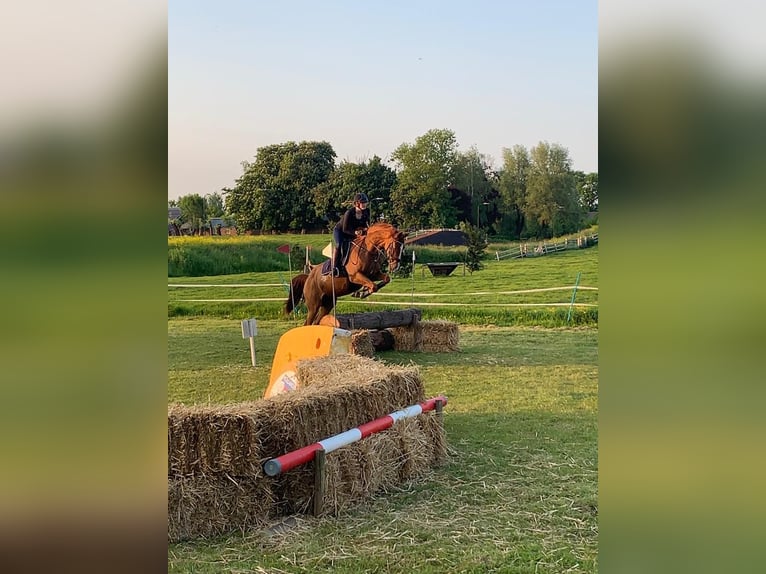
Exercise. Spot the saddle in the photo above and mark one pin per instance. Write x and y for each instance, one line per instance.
(327, 267)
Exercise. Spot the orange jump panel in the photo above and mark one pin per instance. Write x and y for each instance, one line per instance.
(303, 343)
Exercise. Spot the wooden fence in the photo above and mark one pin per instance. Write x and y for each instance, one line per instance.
(542, 248)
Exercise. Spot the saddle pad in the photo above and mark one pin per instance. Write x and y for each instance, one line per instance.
(327, 267)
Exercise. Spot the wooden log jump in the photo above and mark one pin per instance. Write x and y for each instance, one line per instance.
(373, 321)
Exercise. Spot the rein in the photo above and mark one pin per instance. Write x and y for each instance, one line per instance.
(380, 253)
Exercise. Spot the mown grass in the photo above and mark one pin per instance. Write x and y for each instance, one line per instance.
(488, 296)
(519, 491)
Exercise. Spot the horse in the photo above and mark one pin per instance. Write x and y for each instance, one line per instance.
(367, 254)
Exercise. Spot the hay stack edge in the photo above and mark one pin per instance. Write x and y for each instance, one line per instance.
(216, 483)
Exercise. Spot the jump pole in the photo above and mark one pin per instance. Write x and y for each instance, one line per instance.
(280, 464)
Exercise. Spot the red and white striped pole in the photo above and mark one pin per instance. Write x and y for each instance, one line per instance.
(280, 464)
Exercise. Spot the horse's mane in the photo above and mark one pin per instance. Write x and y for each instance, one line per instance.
(381, 227)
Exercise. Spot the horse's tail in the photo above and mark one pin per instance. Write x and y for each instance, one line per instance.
(296, 292)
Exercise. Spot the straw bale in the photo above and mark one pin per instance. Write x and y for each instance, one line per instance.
(384, 458)
(208, 439)
(361, 343)
(402, 386)
(338, 369)
(416, 448)
(216, 482)
(439, 336)
(434, 430)
(202, 506)
(407, 338)
(335, 400)
(359, 470)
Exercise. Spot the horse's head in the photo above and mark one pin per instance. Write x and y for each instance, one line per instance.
(388, 239)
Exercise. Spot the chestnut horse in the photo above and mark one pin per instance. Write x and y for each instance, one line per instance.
(364, 266)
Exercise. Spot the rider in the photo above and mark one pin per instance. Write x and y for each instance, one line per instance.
(354, 222)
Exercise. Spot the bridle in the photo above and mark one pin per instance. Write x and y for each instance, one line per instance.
(392, 252)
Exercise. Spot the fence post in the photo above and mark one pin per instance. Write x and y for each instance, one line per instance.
(577, 282)
(320, 483)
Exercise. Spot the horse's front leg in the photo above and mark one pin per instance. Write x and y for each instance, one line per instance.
(385, 280)
(363, 280)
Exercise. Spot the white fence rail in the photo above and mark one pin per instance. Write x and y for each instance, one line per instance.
(542, 248)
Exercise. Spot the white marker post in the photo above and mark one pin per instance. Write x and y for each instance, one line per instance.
(250, 330)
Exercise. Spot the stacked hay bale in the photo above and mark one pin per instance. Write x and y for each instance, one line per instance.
(361, 343)
(215, 478)
(355, 390)
(215, 482)
(439, 336)
(428, 336)
(407, 338)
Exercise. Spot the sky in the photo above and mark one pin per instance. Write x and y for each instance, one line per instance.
(369, 76)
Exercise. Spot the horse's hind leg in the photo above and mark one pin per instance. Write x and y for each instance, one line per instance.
(325, 309)
(313, 301)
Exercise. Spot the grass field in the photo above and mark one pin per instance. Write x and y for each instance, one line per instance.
(518, 494)
(519, 490)
(533, 291)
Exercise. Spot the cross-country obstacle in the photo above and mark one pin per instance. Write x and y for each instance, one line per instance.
(216, 480)
(401, 330)
(317, 452)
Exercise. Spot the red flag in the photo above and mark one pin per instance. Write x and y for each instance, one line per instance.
(284, 248)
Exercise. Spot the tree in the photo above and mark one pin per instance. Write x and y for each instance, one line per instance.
(552, 204)
(512, 183)
(214, 205)
(334, 196)
(587, 189)
(421, 197)
(472, 186)
(192, 210)
(476, 242)
(275, 192)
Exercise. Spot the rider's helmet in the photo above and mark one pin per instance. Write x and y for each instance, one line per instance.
(361, 198)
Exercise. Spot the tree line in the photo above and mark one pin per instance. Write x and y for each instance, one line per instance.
(297, 186)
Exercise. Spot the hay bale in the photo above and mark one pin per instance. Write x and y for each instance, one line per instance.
(439, 336)
(361, 343)
(416, 449)
(202, 506)
(406, 338)
(337, 393)
(333, 369)
(212, 439)
(382, 460)
(216, 483)
(437, 437)
(378, 463)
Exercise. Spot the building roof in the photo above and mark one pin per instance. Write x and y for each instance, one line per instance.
(437, 237)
